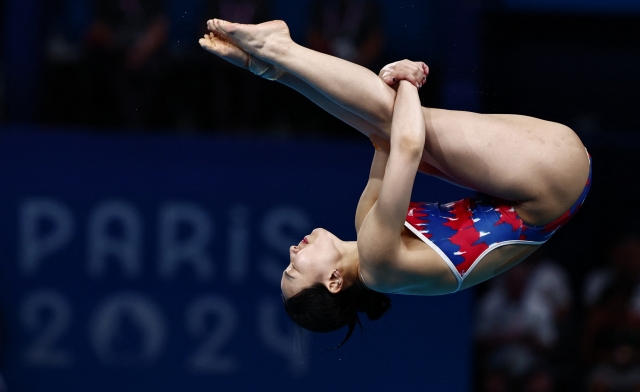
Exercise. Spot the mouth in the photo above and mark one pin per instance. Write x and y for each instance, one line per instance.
(305, 240)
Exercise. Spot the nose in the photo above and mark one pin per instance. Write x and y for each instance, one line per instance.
(294, 249)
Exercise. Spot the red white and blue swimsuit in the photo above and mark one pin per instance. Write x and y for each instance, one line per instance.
(463, 232)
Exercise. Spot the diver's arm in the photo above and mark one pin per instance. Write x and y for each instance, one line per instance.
(372, 190)
(381, 229)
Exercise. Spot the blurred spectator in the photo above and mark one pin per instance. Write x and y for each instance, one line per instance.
(518, 324)
(125, 48)
(349, 29)
(539, 380)
(211, 93)
(66, 24)
(612, 338)
(238, 99)
(550, 282)
(2, 68)
(495, 381)
(624, 260)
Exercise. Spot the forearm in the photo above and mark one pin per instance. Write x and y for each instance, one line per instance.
(376, 174)
(407, 140)
(408, 127)
(372, 190)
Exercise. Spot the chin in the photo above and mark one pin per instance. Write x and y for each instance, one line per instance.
(323, 232)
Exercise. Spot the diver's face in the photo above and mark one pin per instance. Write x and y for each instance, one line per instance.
(313, 260)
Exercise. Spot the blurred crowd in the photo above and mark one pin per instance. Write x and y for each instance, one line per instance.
(534, 334)
(137, 65)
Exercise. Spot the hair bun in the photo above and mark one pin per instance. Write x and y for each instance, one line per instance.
(374, 304)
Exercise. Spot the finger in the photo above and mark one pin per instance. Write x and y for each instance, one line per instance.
(425, 68)
(412, 79)
(419, 75)
(390, 80)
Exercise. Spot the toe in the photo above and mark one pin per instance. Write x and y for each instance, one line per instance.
(214, 27)
(220, 25)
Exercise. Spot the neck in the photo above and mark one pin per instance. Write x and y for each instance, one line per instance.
(350, 262)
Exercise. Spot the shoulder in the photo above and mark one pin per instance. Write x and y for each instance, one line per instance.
(413, 269)
(380, 261)
(378, 244)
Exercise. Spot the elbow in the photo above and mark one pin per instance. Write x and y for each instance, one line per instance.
(411, 146)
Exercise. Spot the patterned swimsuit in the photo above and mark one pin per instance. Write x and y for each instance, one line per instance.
(463, 232)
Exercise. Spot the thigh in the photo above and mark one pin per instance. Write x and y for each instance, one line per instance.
(496, 262)
(539, 165)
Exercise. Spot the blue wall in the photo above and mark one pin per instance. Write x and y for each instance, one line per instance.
(135, 264)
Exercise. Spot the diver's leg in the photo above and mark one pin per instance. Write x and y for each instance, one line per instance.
(540, 164)
(236, 56)
(349, 85)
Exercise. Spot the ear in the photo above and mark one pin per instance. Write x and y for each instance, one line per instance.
(335, 281)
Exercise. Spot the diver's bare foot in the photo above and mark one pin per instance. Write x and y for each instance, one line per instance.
(264, 40)
(224, 49)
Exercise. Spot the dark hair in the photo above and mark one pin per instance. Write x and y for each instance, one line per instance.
(317, 309)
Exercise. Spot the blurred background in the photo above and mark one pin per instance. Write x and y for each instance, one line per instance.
(150, 192)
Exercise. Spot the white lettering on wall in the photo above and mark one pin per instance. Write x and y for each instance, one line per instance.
(175, 249)
(124, 247)
(238, 247)
(131, 329)
(208, 357)
(46, 314)
(126, 312)
(34, 242)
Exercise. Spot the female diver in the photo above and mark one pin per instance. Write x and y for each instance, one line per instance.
(531, 176)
